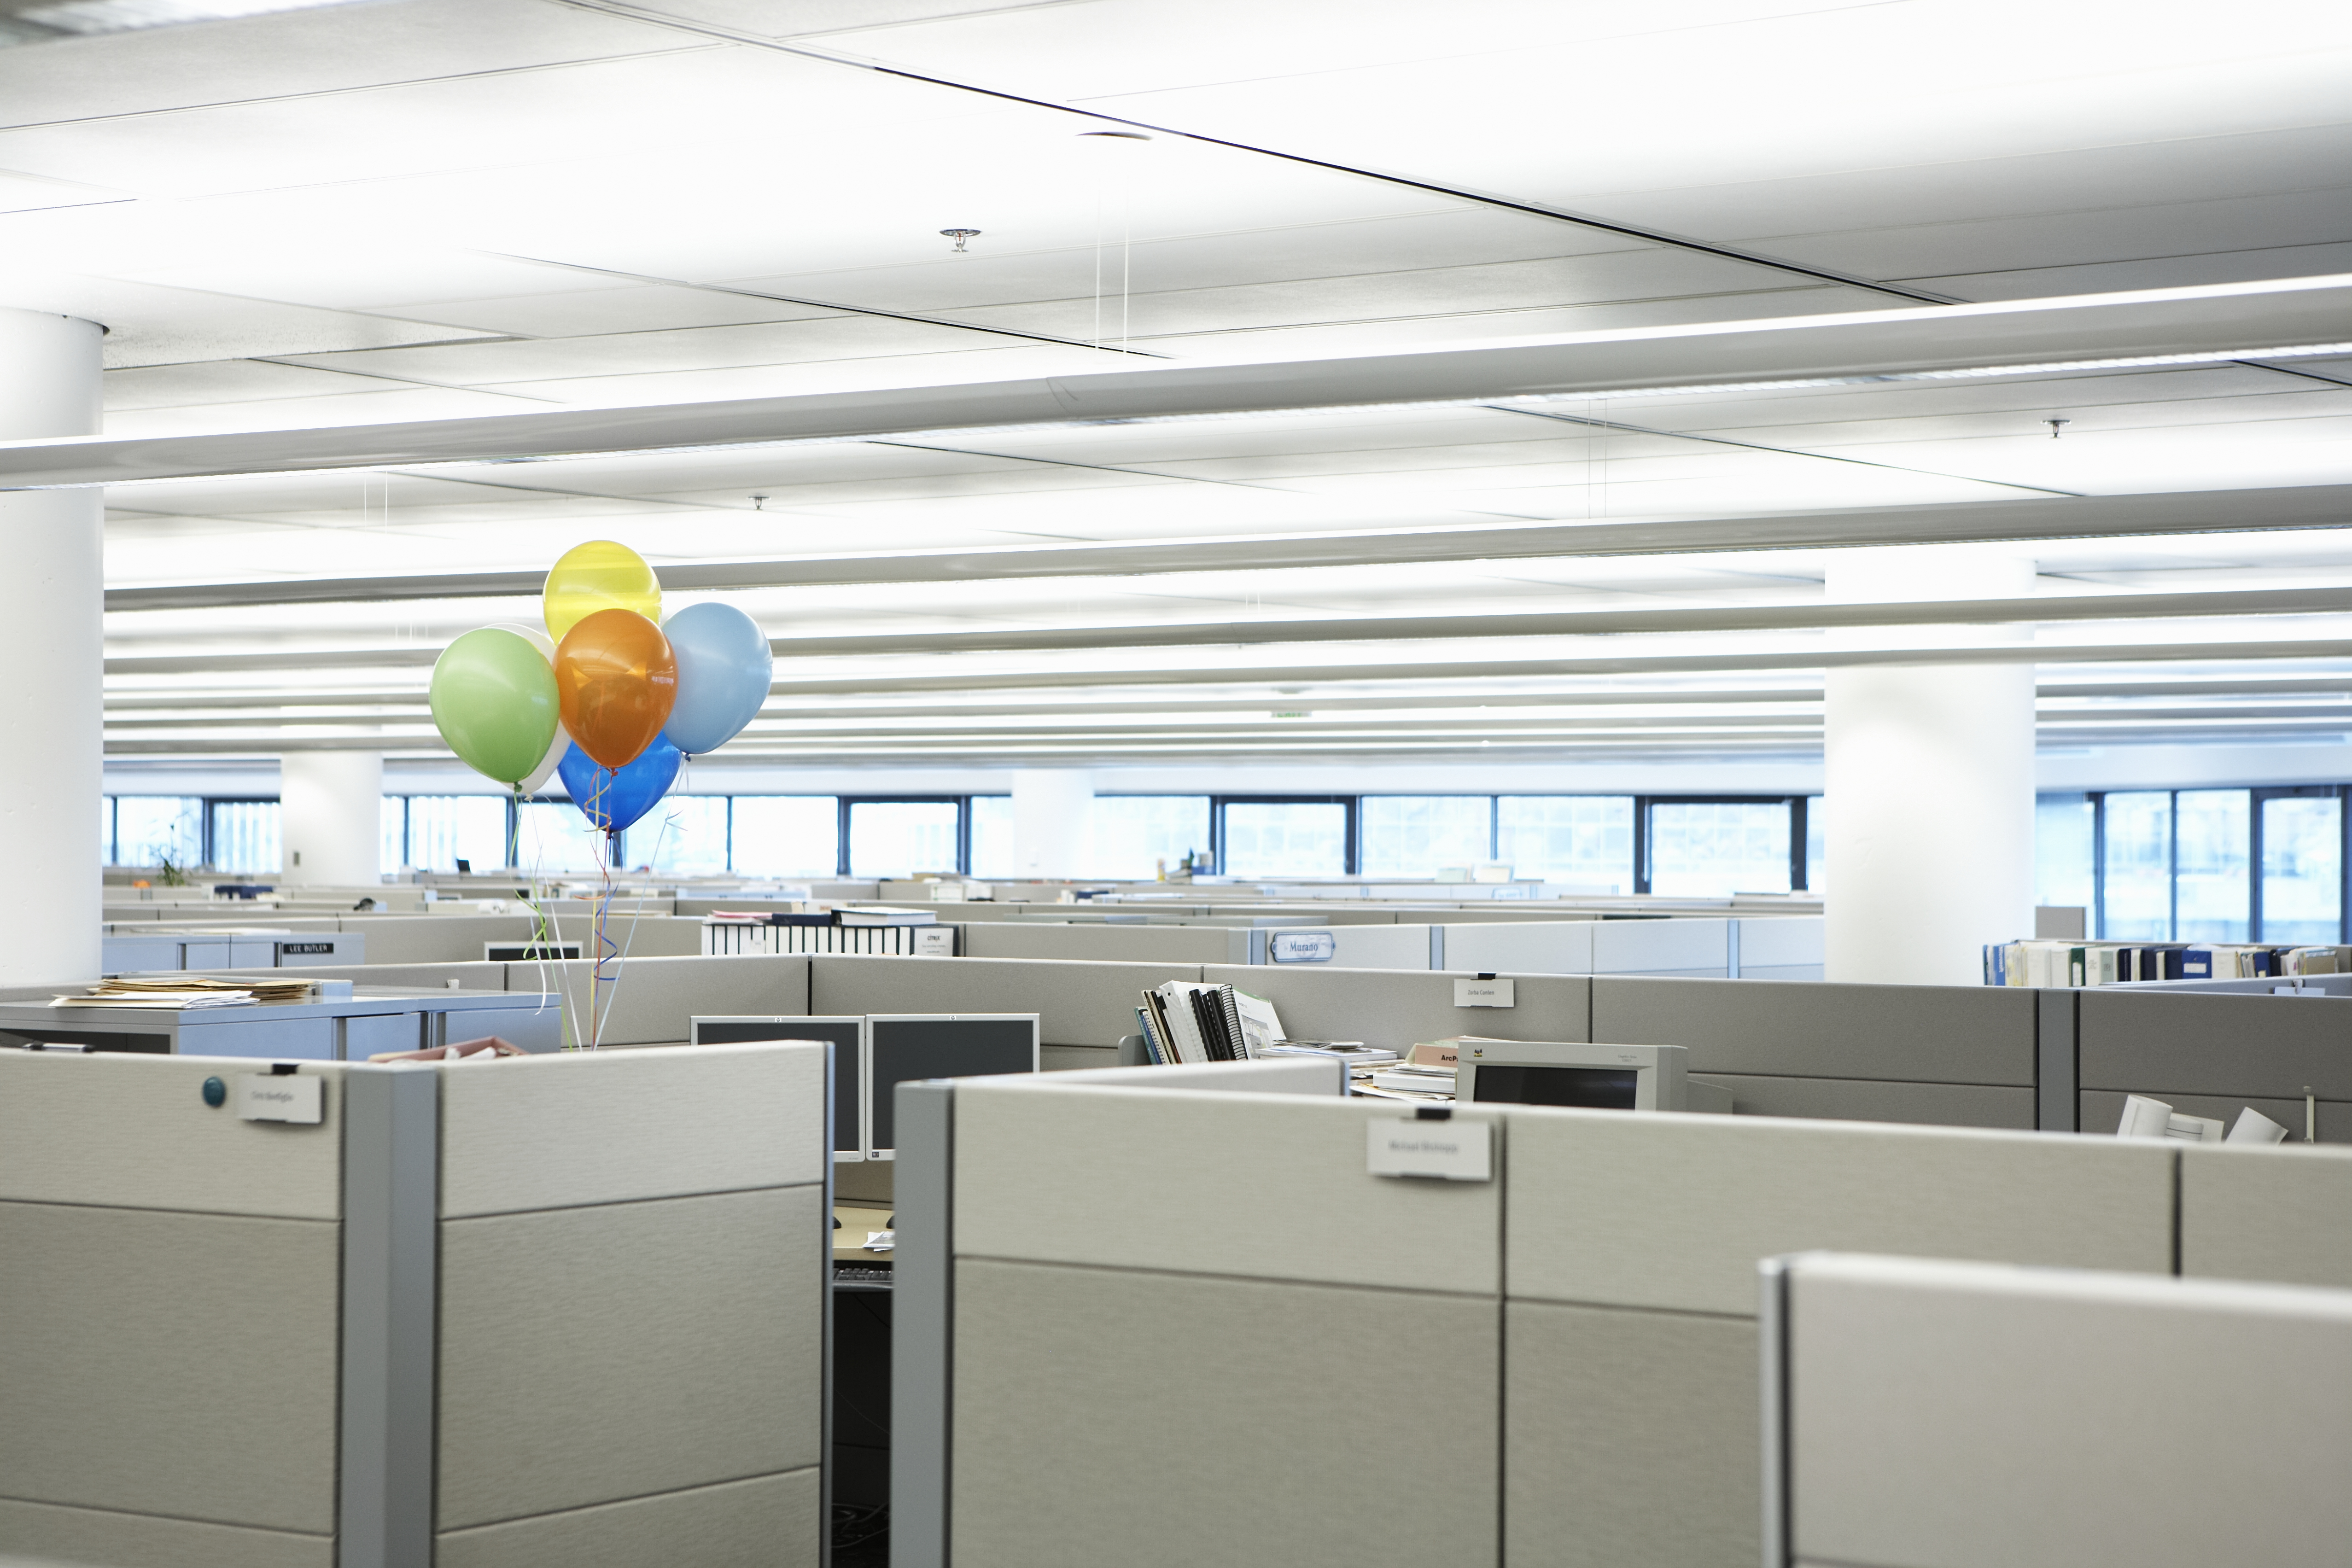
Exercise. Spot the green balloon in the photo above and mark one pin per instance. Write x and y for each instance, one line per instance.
(494, 701)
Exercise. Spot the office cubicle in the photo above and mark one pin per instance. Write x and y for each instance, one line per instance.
(565, 1309)
(1976, 1417)
(1576, 1336)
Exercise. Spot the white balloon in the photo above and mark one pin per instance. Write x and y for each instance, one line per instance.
(555, 751)
(537, 638)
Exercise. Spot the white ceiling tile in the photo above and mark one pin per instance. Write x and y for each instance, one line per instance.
(220, 380)
(604, 309)
(375, 406)
(302, 52)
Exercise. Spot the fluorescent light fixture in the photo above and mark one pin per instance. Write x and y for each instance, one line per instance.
(74, 18)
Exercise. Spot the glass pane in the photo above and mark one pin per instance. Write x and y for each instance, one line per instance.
(1415, 835)
(2303, 868)
(787, 835)
(1817, 853)
(106, 829)
(446, 829)
(551, 837)
(393, 856)
(245, 837)
(992, 835)
(685, 835)
(2137, 888)
(1712, 849)
(1586, 840)
(2211, 849)
(151, 829)
(901, 838)
(2063, 826)
(1285, 838)
(1135, 836)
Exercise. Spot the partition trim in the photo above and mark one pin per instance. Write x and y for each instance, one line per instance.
(391, 1200)
(922, 1341)
(1772, 1340)
(2057, 1062)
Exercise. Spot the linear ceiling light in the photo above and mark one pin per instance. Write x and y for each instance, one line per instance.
(24, 23)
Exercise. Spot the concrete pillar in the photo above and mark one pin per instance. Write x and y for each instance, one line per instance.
(331, 812)
(1053, 822)
(1928, 783)
(52, 600)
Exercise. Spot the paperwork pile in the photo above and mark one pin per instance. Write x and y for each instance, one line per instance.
(181, 991)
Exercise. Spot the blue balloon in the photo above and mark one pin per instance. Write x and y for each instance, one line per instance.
(724, 670)
(613, 800)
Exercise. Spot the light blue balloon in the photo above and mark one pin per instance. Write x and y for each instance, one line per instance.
(724, 670)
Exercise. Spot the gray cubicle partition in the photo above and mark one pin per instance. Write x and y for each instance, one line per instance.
(1951, 1055)
(556, 1310)
(1082, 1007)
(2208, 1055)
(1974, 1417)
(1554, 1366)
(1389, 1009)
(2281, 1213)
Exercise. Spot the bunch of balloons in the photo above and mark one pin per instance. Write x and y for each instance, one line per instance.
(610, 695)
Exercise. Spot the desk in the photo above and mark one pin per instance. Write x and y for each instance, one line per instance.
(857, 1222)
(351, 1025)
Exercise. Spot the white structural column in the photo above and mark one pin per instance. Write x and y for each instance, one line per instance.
(52, 604)
(331, 809)
(1053, 822)
(1929, 779)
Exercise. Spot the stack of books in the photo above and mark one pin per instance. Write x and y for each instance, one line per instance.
(1183, 1022)
(813, 929)
(2064, 963)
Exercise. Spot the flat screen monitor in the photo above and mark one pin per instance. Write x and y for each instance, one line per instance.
(845, 1033)
(1587, 1077)
(962, 1045)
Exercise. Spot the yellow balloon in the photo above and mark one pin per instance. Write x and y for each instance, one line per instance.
(599, 575)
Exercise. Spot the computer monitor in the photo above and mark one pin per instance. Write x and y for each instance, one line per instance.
(844, 1032)
(906, 1047)
(1589, 1077)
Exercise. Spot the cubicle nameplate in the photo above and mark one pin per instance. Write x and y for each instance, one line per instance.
(1484, 993)
(1451, 1150)
(1301, 946)
(280, 1097)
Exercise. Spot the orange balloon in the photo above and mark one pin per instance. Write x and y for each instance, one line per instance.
(617, 681)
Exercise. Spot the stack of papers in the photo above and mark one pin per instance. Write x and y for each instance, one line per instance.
(181, 991)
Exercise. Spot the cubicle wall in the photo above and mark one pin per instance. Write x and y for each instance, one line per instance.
(1951, 1055)
(2003, 1057)
(1970, 1417)
(560, 1310)
(1229, 1343)
(2208, 1055)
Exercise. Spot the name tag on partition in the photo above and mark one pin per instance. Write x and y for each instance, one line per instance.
(1451, 1150)
(280, 1097)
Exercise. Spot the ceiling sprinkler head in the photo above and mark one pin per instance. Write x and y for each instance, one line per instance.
(2056, 426)
(759, 503)
(959, 237)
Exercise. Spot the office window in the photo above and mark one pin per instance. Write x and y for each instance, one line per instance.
(150, 829)
(902, 838)
(685, 835)
(1817, 854)
(552, 839)
(393, 853)
(991, 836)
(1583, 840)
(1136, 834)
(787, 835)
(106, 829)
(1711, 848)
(245, 837)
(446, 829)
(1414, 835)
(2063, 861)
(2137, 889)
(1285, 838)
(2211, 844)
(2303, 868)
